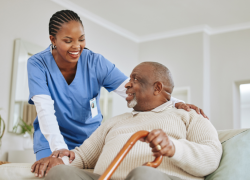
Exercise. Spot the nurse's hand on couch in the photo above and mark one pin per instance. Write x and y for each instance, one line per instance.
(42, 167)
(64, 152)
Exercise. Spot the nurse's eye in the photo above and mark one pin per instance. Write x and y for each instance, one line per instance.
(68, 41)
(82, 40)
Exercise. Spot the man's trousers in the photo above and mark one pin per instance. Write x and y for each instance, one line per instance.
(63, 172)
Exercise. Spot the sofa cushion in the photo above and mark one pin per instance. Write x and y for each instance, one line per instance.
(236, 146)
(225, 135)
(235, 162)
(17, 171)
(20, 171)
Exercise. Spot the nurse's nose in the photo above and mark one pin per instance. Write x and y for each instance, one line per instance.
(76, 45)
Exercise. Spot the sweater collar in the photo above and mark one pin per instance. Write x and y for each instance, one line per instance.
(167, 105)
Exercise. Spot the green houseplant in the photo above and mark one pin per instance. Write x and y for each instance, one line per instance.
(23, 128)
(27, 130)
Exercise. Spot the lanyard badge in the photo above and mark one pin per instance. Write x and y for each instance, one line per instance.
(93, 107)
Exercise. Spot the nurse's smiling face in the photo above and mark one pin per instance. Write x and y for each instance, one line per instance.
(69, 41)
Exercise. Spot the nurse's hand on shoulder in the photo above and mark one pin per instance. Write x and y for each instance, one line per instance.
(187, 107)
(43, 166)
(64, 152)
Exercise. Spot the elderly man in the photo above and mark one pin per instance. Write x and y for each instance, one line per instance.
(188, 142)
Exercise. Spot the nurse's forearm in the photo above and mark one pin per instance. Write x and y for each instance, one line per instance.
(48, 123)
(121, 90)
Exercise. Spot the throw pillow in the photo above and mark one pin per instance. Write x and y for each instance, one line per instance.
(235, 161)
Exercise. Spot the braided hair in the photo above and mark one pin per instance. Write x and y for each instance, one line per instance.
(61, 17)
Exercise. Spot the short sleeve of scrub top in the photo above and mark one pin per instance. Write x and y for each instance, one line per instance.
(106, 73)
(71, 101)
(36, 78)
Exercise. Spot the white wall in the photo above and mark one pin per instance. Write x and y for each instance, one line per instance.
(196, 60)
(230, 62)
(183, 55)
(212, 66)
(28, 20)
(119, 50)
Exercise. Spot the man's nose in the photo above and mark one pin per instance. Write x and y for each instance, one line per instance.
(128, 85)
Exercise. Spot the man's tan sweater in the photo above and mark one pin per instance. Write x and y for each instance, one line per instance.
(197, 147)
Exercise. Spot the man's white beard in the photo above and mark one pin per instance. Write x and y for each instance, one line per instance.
(132, 103)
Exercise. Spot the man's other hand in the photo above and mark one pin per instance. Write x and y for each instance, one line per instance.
(44, 165)
(187, 107)
(160, 143)
(64, 152)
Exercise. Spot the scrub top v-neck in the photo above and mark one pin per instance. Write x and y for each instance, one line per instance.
(59, 72)
(71, 101)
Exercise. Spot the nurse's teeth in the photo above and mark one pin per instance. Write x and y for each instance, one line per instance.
(74, 53)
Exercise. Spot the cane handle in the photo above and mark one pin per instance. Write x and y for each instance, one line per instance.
(124, 151)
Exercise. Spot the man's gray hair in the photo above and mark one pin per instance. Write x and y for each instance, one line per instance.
(161, 73)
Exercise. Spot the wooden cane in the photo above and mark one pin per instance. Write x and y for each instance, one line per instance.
(124, 151)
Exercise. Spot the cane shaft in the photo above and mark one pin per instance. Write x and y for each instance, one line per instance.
(124, 151)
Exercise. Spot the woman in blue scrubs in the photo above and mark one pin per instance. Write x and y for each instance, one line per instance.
(64, 82)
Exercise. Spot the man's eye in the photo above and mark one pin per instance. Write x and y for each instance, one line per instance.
(135, 79)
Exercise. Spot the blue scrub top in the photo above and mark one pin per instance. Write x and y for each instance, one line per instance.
(71, 102)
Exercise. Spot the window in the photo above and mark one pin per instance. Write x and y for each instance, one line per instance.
(106, 104)
(182, 93)
(245, 105)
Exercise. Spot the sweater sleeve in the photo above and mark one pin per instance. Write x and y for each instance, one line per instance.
(88, 153)
(200, 153)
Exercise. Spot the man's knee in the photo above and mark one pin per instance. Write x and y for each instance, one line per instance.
(59, 172)
(148, 173)
(139, 173)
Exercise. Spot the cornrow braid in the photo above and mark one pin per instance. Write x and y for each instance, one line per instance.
(61, 17)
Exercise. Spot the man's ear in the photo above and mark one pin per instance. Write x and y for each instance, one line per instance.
(158, 86)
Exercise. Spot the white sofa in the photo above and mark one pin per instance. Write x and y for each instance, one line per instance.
(21, 171)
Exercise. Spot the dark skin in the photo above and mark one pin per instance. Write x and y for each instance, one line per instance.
(69, 39)
(188, 107)
(69, 42)
(143, 86)
(159, 137)
(43, 166)
(149, 94)
(148, 81)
